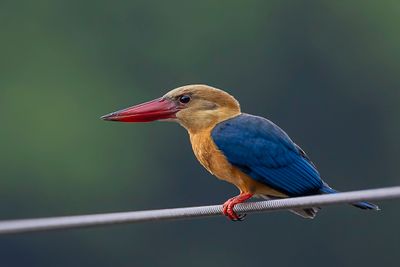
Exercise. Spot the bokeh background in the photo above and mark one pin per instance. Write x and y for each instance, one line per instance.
(325, 71)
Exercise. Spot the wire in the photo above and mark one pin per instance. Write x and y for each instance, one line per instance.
(67, 222)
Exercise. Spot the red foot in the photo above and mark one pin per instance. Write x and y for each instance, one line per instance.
(227, 208)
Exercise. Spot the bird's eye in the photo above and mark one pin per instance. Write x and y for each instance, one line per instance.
(184, 99)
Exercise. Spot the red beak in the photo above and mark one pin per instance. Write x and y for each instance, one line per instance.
(158, 109)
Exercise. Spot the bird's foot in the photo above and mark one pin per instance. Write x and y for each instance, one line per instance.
(227, 208)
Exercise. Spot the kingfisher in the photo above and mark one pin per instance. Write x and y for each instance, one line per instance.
(248, 151)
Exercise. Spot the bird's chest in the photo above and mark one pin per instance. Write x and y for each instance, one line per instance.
(215, 162)
(210, 156)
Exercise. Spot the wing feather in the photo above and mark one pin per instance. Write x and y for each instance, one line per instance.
(266, 153)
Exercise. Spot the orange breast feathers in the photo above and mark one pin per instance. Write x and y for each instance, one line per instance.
(216, 163)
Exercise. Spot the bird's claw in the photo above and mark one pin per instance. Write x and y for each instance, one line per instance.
(240, 218)
(227, 208)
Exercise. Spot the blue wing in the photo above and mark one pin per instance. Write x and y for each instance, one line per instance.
(266, 153)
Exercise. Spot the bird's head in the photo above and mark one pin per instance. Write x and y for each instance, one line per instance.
(195, 107)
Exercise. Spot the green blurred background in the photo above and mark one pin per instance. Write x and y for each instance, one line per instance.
(325, 71)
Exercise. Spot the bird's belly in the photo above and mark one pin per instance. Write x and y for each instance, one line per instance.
(216, 163)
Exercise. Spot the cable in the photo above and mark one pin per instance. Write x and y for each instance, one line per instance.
(67, 222)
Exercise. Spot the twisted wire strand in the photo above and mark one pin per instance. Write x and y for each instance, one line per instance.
(79, 221)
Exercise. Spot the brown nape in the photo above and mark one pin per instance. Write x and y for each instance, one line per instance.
(217, 96)
(208, 106)
(205, 92)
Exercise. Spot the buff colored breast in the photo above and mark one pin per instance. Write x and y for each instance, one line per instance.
(216, 163)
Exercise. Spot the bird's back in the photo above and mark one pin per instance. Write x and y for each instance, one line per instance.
(265, 152)
(214, 160)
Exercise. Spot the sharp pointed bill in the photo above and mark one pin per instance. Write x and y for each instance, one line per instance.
(158, 109)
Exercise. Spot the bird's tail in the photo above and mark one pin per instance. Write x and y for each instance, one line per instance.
(326, 189)
(308, 213)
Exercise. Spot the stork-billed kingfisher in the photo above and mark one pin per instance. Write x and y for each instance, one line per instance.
(251, 152)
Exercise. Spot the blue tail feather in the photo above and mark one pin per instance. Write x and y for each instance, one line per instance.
(366, 205)
(362, 205)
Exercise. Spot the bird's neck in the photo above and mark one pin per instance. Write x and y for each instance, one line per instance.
(205, 122)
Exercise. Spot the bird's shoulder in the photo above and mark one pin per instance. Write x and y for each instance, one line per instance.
(264, 151)
(246, 127)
